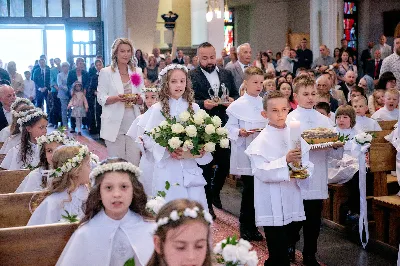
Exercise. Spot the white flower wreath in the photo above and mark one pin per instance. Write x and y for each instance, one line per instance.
(172, 67)
(192, 213)
(19, 100)
(32, 114)
(55, 136)
(71, 163)
(20, 114)
(110, 167)
(151, 89)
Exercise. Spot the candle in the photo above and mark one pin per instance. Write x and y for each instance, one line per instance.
(295, 134)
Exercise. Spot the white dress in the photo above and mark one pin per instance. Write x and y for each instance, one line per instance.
(104, 241)
(315, 186)
(52, 208)
(384, 114)
(12, 161)
(245, 113)
(33, 181)
(277, 197)
(342, 170)
(146, 163)
(185, 172)
(5, 134)
(10, 143)
(366, 124)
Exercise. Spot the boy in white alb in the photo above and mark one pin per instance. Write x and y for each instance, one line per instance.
(315, 188)
(277, 196)
(29, 86)
(363, 123)
(244, 118)
(389, 112)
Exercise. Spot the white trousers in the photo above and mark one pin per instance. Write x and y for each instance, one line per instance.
(124, 147)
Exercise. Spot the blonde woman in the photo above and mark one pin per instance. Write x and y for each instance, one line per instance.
(120, 101)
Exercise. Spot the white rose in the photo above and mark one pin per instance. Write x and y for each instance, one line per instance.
(252, 259)
(242, 254)
(177, 128)
(187, 145)
(198, 119)
(216, 121)
(191, 131)
(368, 138)
(210, 129)
(209, 147)
(229, 253)
(221, 131)
(245, 243)
(174, 215)
(184, 116)
(174, 142)
(224, 143)
(218, 248)
(163, 124)
(202, 113)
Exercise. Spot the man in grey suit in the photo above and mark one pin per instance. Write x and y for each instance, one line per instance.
(237, 69)
(385, 49)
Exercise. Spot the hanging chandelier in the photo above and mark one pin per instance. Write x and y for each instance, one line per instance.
(214, 7)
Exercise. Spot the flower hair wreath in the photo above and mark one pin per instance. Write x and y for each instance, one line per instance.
(71, 163)
(151, 89)
(19, 100)
(111, 167)
(172, 67)
(55, 136)
(37, 112)
(191, 213)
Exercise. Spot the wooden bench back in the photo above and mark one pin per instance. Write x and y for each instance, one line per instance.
(14, 209)
(34, 245)
(387, 125)
(380, 136)
(10, 180)
(382, 157)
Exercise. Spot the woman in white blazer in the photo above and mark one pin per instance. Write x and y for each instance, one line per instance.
(116, 117)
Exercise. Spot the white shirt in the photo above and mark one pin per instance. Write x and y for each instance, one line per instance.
(243, 66)
(366, 124)
(392, 64)
(29, 89)
(212, 77)
(8, 116)
(384, 114)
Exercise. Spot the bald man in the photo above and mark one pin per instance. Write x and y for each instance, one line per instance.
(385, 49)
(7, 97)
(348, 84)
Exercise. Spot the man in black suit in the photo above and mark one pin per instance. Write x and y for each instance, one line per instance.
(4, 76)
(365, 56)
(374, 65)
(204, 77)
(7, 97)
(304, 55)
(348, 84)
(179, 58)
(41, 77)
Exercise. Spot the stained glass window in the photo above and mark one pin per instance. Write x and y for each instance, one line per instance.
(228, 29)
(350, 27)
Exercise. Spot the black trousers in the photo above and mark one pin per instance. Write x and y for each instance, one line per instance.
(247, 212)
(55, 109)
(278, 239)
(40, 98)
(215, 177)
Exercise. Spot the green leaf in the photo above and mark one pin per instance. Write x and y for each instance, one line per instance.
(167, 185)
(161, 194)
(130, 262)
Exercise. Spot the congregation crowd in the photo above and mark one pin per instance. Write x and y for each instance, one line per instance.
(136, 92)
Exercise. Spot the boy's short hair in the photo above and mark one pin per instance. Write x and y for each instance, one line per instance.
(358, 99)
(324, 106)
(349, 111)
(269, 76)
(301, 82)
(392, 92)
(359, 89)
(26, 72)
(252, 71)
(271, 95)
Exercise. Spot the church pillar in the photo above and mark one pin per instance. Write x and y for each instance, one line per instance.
(215, 30)
(198, 21)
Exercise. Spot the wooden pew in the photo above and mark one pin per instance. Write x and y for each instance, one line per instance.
(387, 125)
(10, 180)
(338, 194)
(34, 245)
(387, 219)
(14, 209)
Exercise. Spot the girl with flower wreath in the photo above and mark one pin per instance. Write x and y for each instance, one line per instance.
(146, 163)
(37, 179)
(26, 153)
(175, 97)
(183, 235)
(67, 191)
(8, 134)
(116, 226)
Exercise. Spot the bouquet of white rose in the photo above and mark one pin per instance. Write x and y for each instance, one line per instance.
(363, 138)
(193, 133)
(234, 252)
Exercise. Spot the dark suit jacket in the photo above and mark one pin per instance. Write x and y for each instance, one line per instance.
(365, 56)
(334, 104)
(3, 119)
(370, 69)
(72, 77)
(38, 78)
(201, 85)
(305, 58)
(178, 61)
(345, 90)
(4, 75)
